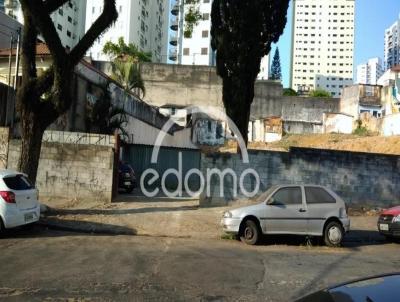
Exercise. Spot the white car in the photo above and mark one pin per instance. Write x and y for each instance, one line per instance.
(291, 209)
(19, 203)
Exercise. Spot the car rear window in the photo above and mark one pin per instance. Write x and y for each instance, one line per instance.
(17, 183)
(316, 195)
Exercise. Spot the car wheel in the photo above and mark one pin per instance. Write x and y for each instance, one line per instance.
(250, 233)
(333, 234)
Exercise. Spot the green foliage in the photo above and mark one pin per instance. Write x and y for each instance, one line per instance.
(103, 117)
(127, 74)
(122, 50)
(361, 130)
(289, 92)
(276, 71)
(192, 17)
(242, 33)
(320, 93)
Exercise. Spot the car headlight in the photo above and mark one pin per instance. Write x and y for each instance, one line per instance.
(396, 219)
(227, 215)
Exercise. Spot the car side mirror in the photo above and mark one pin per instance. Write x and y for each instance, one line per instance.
(271, 201)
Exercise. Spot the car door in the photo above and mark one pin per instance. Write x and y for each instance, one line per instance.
(319, 204)
(286, 212)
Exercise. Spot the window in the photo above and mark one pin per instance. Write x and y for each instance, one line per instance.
(288, 196)
(206, 16)
(186, 51)
(315, 195)
(59, 26)
(204, 33)
(69, 34)
(204, 51)
(17, 183)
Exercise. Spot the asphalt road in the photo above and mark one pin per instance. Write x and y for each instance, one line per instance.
(43, 265)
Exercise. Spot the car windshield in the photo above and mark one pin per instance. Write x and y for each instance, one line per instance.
(263, 196)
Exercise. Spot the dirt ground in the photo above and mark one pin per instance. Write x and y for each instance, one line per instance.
(345, 142)
(158, 217)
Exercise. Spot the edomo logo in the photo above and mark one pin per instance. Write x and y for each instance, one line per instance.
(153, 176)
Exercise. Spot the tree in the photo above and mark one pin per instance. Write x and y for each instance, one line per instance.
(103, 116)
(276, 71)
(320, 93)
(42, 99)
(289, 92)
(125, 65)
(192, 16)
(121, 50)
(127, 73)
(242, 33)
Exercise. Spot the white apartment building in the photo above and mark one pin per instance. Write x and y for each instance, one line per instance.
(370, 72)
(196, 50)
(322, 45)
(141, 22)
(69, 19)
(392, 45)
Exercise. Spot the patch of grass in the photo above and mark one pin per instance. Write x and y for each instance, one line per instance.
(361, 131)
(227, 236)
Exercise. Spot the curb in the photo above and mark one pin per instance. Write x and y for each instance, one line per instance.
(96, 231)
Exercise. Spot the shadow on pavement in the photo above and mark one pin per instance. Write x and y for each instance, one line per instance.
(55, 212)
(58, 228)
(352, 240)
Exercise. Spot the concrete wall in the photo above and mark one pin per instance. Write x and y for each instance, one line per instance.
(71, 167)
(360, 178)
(181, 85)
(390, 125)
(338, 123)
(141, 133)
(4, 137)
(349, 103)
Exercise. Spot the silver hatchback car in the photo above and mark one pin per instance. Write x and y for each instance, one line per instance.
(291, 209)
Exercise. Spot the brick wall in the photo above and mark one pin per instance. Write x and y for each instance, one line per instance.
(360, 178)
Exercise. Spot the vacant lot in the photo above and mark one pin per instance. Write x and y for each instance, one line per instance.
(345, 142)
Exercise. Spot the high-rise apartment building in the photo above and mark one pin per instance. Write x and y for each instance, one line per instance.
(141, 22)
(68, 19)
(392, 45)
(196, 49)
(370, 72)
(322, 45)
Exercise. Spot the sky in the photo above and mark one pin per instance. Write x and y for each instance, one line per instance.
(373, 17)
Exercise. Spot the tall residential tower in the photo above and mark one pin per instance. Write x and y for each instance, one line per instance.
(141, 22)
(68, 19)
(196, 49)
(322, 45)
(392, 45)
(370, 72)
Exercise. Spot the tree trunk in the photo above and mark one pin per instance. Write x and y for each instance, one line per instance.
(32, 134)
(238, 96)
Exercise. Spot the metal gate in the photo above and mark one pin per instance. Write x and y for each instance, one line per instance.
(139, 157)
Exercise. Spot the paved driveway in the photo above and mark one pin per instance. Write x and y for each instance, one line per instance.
(43, 265)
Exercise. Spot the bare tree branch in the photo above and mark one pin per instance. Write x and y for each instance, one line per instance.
(45, 25)
(108, 16)
(52, 5)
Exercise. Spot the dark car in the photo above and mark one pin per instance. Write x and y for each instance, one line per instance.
(384, 288)
(126, 177)
(389, 223)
